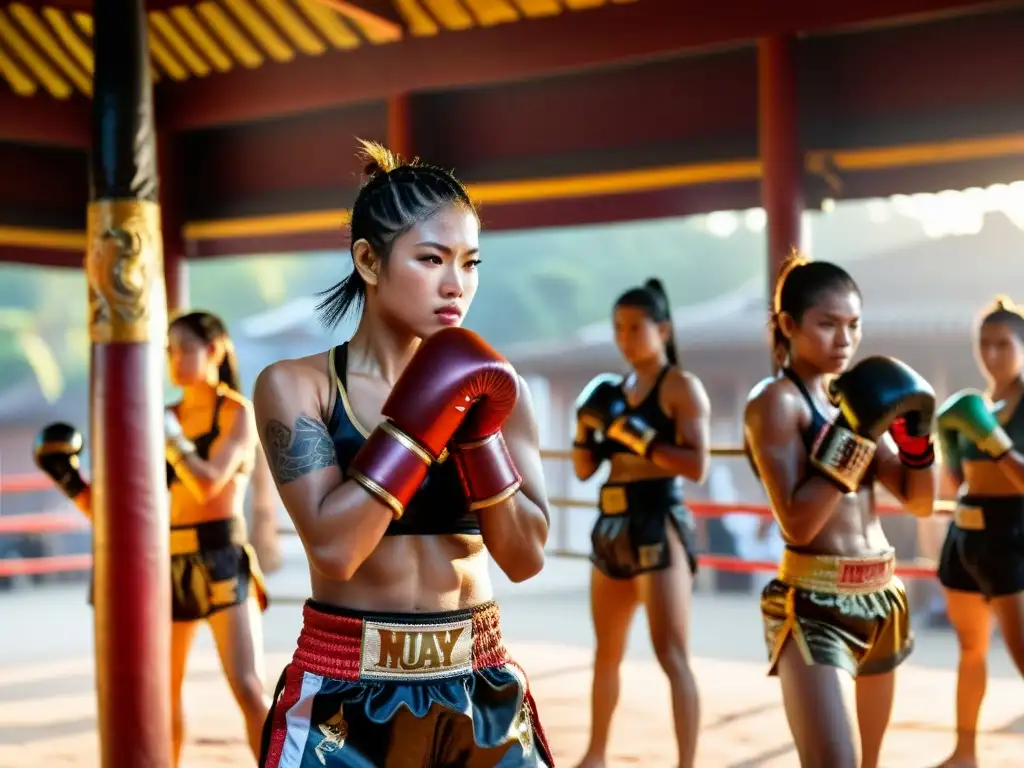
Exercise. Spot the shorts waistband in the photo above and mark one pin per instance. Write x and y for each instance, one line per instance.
(216, 534)
(343, 644)
(837, 575)
(619, 498)
(979, 513)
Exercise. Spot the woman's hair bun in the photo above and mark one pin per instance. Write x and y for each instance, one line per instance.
(655, 286)
(377, 158)
(1003, 303)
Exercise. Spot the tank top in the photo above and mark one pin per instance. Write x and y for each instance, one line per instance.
(818, 422)
(439, 507)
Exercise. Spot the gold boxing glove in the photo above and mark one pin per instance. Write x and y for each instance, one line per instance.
(634, 433)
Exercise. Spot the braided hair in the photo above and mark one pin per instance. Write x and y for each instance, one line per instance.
(395, 196)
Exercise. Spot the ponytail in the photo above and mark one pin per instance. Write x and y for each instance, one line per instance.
(655, 287)
(210, 329)
(778, 342)
(227, 371)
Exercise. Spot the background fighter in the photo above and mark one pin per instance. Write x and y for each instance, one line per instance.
(652, 425)
(982, 560)
(836, 618)
(211, 446)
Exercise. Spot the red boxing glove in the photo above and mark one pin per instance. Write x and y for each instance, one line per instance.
(485, 467)
(916, 451)
(450, 370)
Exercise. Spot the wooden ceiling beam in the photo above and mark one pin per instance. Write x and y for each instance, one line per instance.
(520, 51)
(42, 120)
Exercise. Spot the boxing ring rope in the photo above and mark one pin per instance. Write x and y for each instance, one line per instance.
(54, 522)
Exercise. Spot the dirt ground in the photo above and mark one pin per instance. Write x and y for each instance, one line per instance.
(47, 700)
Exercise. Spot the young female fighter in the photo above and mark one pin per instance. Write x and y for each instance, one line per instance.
(654, 429)
(836, 618)
(405, 458)
(982, 561)
(211, 445)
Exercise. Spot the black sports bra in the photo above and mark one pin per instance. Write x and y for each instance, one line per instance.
(204, 443)
(818, 422)
(439, 507)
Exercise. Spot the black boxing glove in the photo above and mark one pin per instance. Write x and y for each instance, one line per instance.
(600, 402)
(870, 396)
(56, 451)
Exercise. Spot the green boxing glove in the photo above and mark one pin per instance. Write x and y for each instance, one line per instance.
(951, 458)
(968, 414)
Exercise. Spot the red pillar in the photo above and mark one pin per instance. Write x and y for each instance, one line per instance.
(128, 331)
(400, 125)
(781, 157)
(173, 220)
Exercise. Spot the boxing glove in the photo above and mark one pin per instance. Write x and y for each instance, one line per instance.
(633, 432)
(870, 397)
(56, 452)
(968, 414)
(952, 458)
(601, 402)
(916, 450)
(488, 474)
(450, 371)
(176, 445)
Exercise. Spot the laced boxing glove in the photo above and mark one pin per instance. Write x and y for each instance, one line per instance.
(177, 446)
(56, 452)
(488, 474)
(967, 413)
(451, 370)
(870, 396)
(596, 407)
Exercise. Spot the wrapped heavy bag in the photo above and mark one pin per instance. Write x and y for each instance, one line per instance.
(870, 397)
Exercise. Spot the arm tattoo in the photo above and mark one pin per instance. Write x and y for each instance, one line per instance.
(305, 448)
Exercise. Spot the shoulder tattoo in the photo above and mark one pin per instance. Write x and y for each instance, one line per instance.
(295, 451)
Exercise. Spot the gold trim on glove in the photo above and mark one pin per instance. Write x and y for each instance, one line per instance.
(640, 443)
(997, 444)
(397, 508)
(406, 442)
(497, 498)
